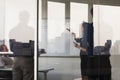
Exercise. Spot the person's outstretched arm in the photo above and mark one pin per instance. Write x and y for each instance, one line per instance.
(77, 46)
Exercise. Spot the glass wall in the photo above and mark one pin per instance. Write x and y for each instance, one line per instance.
(13, 13)
(17, 11)
(78, 15)
(56, 28)
(106, 24)
(59, 41)
(18, 20)
(2, 19)
(61, 54)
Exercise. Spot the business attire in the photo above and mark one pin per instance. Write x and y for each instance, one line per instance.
(23, 65)
(23, 68)
(83, 58)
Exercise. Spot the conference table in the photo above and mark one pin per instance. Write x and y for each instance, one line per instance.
(45, 71)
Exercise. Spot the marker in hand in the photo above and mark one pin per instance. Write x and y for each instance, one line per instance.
(73, 34)
(75, 44)
(68, 29)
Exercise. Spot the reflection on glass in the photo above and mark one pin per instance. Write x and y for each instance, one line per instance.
(60, 41)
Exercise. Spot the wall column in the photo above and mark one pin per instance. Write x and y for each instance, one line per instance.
(67, 25)
(44, 38)
(90, 6)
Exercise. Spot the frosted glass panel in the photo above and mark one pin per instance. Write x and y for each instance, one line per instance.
(20, 20)
(79, 13)
(2, 19)
(108, 25)
(56, 19)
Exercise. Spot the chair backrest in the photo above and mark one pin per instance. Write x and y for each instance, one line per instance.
(1, 42)
(108, 45)
(11, 41)
(103, 50)
(98, 50)
(22, 49)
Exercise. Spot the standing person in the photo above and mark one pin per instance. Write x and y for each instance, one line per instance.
(83, 55)
(23, 66)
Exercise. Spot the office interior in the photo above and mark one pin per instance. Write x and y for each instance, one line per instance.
(60, 55)
(19, 15)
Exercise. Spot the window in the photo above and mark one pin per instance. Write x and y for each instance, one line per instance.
(56, 27)
(108, 26)
(78, 14)
(13, 10)
(59, 41)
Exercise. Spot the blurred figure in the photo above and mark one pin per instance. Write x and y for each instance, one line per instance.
(23, 67)
(83, 55)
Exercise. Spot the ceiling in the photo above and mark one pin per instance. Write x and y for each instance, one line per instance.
(100, 2)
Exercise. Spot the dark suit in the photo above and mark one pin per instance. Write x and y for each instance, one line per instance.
(23, 68)
(83, 58)
(100, 65)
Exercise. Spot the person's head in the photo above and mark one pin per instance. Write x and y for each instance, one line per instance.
(82, 27)
(91, 11)
(3, 48)
(24, 17)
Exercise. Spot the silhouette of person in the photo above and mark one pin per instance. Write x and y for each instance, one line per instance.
(23, 67)
(22, 32)
(83, 49)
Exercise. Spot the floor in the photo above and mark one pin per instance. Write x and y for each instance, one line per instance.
(78, 79)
